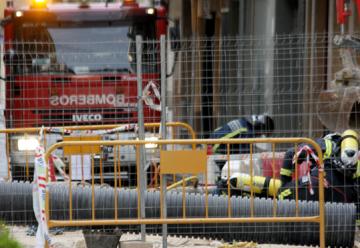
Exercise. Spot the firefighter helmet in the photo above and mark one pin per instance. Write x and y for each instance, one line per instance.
(263, 124)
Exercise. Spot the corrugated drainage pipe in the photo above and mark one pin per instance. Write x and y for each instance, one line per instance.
(16, 208)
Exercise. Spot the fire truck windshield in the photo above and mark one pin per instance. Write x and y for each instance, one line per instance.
(79, 48)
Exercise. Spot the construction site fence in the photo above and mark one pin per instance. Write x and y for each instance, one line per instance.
(80, 131)
(176, 158)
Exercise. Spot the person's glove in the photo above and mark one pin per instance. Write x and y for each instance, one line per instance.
(221, 185)
(347, 170)
(338, 163)
(300, 157)
(303, 156)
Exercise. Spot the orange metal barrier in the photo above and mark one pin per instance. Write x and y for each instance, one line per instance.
(28, 155)
(188, 161)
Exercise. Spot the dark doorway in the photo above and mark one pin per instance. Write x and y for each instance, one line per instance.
(354, 121)
(207, 76)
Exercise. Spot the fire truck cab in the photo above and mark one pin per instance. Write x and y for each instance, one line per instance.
(72, 64)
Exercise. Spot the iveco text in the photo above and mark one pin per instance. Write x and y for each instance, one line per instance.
(87, 117)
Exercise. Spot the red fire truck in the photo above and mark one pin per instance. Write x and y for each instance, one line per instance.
(75, 64)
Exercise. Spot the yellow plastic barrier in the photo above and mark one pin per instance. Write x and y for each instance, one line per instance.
(196, 159)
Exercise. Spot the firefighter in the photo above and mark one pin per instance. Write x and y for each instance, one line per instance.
(245, 127)
(330, 147)
(341, 166)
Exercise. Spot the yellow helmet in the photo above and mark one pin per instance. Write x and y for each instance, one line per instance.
(349, 149)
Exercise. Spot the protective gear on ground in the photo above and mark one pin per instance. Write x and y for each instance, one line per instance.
(242, 184)
(337, 187)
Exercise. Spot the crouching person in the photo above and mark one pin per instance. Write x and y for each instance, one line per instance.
(341, 167)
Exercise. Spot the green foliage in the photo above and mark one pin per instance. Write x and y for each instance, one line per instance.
(5, 240)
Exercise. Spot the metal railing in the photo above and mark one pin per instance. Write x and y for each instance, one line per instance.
(194, 162)
(29, 155)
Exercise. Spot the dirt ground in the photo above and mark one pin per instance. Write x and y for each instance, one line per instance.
(75, 239)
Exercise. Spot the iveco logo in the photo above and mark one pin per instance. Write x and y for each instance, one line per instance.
(87, 117)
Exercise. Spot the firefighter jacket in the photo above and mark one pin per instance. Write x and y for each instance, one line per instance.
(239, 128)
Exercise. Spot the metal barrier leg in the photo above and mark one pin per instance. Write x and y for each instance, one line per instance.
(142, 182)
(164, 226)
(163, 126)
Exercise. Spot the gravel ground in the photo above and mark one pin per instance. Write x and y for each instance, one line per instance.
(75, 239)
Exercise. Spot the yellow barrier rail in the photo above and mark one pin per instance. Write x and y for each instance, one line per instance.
(196, 157)
(35, 131)
(99, 127)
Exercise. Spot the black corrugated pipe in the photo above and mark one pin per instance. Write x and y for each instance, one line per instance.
(16, 208)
